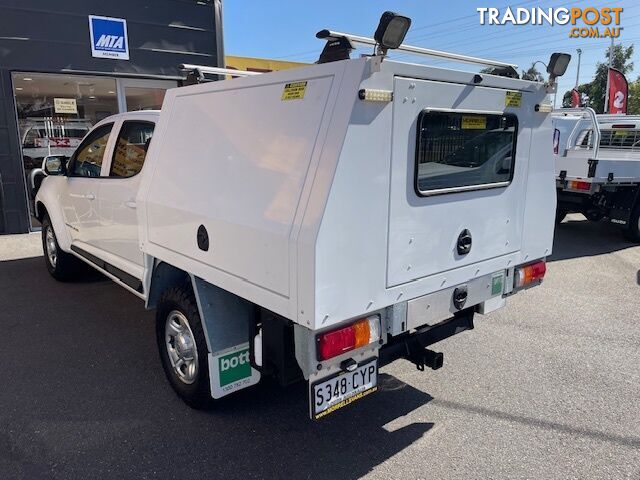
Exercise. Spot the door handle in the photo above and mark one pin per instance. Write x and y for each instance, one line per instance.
(464, 242)
(131, 204)
(90, 196)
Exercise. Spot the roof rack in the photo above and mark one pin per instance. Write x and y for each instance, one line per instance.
(199, 71)
(417, 50)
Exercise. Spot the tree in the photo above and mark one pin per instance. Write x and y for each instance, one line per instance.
(633, 105)
(584, 90)
(532, 73)
(596, 88)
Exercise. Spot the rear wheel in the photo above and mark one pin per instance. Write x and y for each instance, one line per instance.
(61, 265)
(182, 346)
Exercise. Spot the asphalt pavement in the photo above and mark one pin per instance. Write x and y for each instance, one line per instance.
(546, 388)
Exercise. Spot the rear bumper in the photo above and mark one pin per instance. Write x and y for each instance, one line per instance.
(411, 345)
(579, 199)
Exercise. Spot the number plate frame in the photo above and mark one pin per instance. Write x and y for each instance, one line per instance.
(350, 396)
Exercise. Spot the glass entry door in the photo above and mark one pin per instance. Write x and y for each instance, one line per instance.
(136, 94)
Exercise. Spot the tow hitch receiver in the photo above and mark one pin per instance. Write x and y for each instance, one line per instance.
(426, 357)
(413, 347)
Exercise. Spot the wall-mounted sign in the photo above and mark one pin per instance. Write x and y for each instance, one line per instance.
(65, 105)
(109, 37)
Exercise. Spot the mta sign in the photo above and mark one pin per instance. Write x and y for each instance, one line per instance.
(109, 37)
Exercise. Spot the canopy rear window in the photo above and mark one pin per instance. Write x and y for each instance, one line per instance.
(459, 151)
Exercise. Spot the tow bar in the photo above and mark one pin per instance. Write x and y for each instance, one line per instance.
(426, 358)
(413, 347)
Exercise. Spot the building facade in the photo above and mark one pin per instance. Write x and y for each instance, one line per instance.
(66, 65)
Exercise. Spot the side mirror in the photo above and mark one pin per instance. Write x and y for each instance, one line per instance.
(55, 164)
(558, 64)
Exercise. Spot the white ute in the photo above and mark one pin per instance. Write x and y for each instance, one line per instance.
(598, 167)
(313, 224)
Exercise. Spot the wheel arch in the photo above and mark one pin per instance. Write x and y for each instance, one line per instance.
(164, 276)
(220, 311)
(42, 208)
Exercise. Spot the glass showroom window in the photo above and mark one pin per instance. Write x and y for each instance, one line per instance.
(56, 111)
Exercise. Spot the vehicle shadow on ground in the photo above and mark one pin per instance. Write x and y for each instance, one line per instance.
(85, 397)
(578, 237)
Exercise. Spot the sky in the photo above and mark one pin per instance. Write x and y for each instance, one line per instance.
(285, 29)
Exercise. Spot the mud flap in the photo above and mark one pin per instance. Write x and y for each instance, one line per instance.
(230, 370)
(225, 319)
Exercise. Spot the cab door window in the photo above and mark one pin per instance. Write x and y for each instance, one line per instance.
(131, 148)
(87, 160)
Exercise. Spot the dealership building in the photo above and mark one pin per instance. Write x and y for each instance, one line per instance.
(66, 65)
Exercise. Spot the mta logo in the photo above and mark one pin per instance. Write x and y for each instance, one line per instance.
(110, 42)
(109, 37)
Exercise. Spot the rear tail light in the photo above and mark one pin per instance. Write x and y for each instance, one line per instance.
(577, 185)
(529, 274)
(358, 334)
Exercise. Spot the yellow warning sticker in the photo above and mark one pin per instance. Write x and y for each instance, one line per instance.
(475, 122)
(513, 99)
(294, 91)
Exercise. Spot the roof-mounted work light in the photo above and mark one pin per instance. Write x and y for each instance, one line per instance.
(557, 66)
(391, 31)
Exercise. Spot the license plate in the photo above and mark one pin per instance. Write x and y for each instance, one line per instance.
(328, 395)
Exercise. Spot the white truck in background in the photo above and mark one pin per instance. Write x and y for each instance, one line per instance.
(313, 224)
(598, 167)
(46, 136)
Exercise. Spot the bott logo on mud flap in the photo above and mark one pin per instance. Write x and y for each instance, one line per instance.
(233, 367)
(231, 370)
(109, 37)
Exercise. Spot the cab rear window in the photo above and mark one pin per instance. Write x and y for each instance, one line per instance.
(459, 151)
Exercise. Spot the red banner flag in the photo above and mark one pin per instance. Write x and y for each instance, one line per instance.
(618, 90)
(575, 98)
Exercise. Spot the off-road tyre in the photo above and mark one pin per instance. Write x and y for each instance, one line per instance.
(182, 300)
(61, 265)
